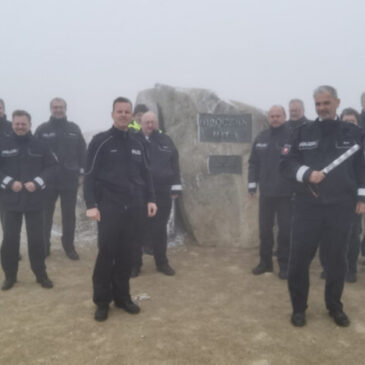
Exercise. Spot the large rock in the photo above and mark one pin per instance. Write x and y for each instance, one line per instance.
(215, 208)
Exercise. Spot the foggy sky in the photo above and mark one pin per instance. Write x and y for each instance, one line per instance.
(259, 52)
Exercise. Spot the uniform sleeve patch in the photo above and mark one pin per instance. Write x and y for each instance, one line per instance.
(136, 152)
(261, 145)
(49, 135)
(9, 153)
(308, 145)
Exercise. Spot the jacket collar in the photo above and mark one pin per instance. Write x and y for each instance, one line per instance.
(58, 120)
(119, 134)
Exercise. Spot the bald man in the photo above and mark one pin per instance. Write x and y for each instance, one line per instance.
(164, 164)
(275, 191)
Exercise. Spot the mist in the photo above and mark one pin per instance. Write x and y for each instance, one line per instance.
(257, 52)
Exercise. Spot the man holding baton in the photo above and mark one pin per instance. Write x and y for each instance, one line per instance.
(326, 158)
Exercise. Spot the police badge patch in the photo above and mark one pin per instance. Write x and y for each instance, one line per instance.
(286, 149)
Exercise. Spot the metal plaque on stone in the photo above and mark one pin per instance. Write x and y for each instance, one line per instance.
(227, 164)
(225, 128)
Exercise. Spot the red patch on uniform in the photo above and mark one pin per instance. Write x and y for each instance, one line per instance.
(285, 149)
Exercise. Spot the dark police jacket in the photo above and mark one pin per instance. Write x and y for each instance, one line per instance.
(163, 159)
(117, 171)
(65, 140)
(314, 146)
(362, 119)
(5, 127)
(24, 159)
(263, 164)
(299, 122)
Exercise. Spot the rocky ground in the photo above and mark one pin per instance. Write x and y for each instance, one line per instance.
(212, 312)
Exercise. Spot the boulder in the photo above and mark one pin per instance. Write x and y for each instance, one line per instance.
(215, 206)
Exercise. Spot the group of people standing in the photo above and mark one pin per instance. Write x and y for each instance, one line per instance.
(311, 176)
(130, 174)
(34, 170)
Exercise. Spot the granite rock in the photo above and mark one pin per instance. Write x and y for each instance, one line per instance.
(216, 209)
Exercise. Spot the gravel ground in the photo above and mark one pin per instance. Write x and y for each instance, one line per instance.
(214, 311)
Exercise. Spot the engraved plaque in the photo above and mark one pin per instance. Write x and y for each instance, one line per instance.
(228, 164)
(225, 128)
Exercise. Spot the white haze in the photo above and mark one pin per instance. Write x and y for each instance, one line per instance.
(261, 52)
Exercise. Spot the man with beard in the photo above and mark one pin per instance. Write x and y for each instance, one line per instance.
(328, 194)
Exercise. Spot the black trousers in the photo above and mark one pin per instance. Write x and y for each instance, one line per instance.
(269, 207)
(354, 244)
(12, 223)
(116, 234)
(353, 249)
(68, 206)
(153, 232)
(314, 223)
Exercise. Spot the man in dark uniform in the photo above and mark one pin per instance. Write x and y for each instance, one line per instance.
(325, 203)
(164, 162)
(362, 115)
(275, 191)
(5, 130)
(362, 125)
(66, 141)
(5, 125)
(117, 188)
(296, 113)
(26, 165)
(350, 115)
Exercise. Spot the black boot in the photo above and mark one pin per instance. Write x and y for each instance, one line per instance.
(261, 268)
(340, 318)
(45, 282)
(101, 313)
(166, 269)
(72, 254)
(8, 283)
(128, 305)
(298, 319)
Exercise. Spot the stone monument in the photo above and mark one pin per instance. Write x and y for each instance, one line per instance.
(214, 139)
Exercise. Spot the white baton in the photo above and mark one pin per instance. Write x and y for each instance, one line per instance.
(338, 161)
